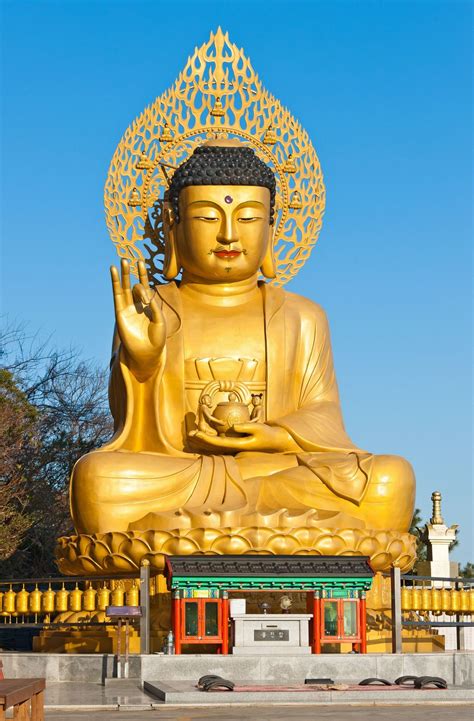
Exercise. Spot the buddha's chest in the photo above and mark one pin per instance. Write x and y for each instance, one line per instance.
(223, 345)
(225, 333)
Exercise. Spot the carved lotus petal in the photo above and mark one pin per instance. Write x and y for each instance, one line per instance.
(351, 537)
(257, 537)
(135, 549)
(70, 552)
(99, 551)
(117, 562)
(158, 539)
(367, 546)
(380, 561)
(306, 536)
(88, 564)
(156, 560)
(280, 544)
(83, 547)
(205, 537)
(384, 538)
(231, 544)
(114, 540)
(180, 546)
(406, 562)
(330, 545)
(395, 548)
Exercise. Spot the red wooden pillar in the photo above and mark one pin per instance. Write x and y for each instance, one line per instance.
(225, 622)
(363, 622)
(176, 621)
(316, 641)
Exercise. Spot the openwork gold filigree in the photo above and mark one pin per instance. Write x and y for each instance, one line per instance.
(218, 94)
(123, 551)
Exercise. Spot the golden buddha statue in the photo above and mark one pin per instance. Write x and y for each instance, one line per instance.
(229, 435)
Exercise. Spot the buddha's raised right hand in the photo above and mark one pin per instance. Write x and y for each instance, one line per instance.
(140, 322)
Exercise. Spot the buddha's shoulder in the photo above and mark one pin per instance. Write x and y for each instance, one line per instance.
(305, 308)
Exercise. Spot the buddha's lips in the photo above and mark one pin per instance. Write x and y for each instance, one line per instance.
(227, 254)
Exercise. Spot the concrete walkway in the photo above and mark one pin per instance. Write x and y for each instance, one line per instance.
(275, 713)
(127, 696)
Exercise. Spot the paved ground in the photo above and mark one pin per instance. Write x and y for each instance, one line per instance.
(277, 713)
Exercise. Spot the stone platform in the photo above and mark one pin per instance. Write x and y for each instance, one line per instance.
(185, 692)
(456, 667)
(69, 698)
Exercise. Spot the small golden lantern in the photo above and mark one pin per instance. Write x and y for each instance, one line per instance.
(464, 596)
(446, 600)
(35, 600)
(103, 598)
(48, 600)
(425, 599)
(9, 601)
(416, 599)
(61, 599)
(22, 600)
(132, 596)
(406, 598)
(75, 599)
(89, 599)
(455, 601)
(118, 595)
(1, 601)
(435, 599)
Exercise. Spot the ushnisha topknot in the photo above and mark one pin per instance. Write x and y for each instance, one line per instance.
(225, 163)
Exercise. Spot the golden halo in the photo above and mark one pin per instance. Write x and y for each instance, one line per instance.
(218, 94)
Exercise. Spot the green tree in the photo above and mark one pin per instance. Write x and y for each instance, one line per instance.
(67, 397)
(18, 440)
(416, 529)
(467, 571)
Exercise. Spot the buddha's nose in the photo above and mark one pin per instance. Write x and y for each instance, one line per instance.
(227, 232)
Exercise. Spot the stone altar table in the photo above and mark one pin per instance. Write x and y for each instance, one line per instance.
(259, 633)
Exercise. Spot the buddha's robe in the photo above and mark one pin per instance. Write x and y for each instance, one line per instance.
(149, 477)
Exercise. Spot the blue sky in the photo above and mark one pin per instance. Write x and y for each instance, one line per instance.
(383, 89)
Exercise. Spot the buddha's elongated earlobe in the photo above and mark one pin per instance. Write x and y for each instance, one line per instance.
(171, 263)
(268, 264)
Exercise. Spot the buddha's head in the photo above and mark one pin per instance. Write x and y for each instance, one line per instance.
(220, 216)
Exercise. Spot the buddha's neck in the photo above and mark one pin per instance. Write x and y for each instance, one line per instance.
(220, 294)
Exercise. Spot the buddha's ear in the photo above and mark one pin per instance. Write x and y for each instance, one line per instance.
(268, 263)
(171, 264)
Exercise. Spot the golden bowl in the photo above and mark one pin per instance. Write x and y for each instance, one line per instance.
(230, 412)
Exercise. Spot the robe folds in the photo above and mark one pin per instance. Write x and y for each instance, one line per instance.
(301, 396)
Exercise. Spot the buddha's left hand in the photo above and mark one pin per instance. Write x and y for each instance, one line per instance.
(256, 437)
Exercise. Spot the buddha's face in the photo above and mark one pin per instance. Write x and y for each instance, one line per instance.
(223, 231)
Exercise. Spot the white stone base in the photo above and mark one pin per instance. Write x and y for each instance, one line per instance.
(269, 650)
(293, 626)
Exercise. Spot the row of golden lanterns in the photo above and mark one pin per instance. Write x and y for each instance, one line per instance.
(59, 600)
(444, 600)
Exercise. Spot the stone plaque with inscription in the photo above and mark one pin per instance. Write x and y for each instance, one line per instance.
(257, 633)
